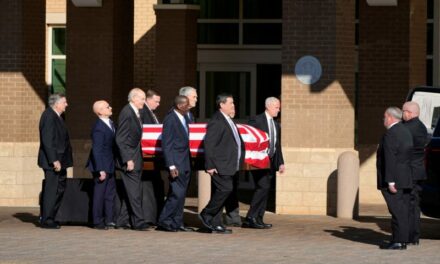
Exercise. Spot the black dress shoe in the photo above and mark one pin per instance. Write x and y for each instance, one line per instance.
(221, 230)
(204, 222)
(165, 228)
(110, 225)
(50, 225)
(100, 227)
(260, 222)
(185, 229)
(141, 227)
(394, 246)
(252, 223)
(123, 226)
(414, 243)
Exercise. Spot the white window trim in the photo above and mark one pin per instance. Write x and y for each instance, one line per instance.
(50, 56)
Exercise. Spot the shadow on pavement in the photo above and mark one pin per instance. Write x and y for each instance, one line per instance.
(27, 218)
(360, 235)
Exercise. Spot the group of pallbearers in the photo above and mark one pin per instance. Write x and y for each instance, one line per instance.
(119, 148)
(400, 172)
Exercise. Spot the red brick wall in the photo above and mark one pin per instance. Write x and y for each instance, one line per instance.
(144, 50)
(23, 90)
(176, 53)
(99, 61)
(322, 114)
(392, 54)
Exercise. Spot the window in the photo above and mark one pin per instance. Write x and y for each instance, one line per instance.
(57, 59)
(240, 23)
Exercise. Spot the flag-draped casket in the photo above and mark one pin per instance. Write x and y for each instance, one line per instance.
(256, 142)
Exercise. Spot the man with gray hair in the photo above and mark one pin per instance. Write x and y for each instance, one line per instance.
(191, 93)
(394, 175)
(128, 140)
(54, 157)
(262, 178)
(411, 111)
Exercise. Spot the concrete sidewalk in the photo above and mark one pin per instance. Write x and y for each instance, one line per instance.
(293, 239)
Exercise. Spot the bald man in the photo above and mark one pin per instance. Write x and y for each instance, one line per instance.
(101, 164)
(411, 111)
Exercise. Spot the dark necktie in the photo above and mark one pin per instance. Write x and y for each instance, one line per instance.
(112, 125)
(156, 121)
(271, 138)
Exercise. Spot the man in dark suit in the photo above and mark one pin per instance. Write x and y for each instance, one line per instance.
(175, 146)
(262, 178)
(419, 134)
(101, 164)
(191, 93)
(54, 157)
(394, 175)
(152, 183)
(224, 154)
(128, 140)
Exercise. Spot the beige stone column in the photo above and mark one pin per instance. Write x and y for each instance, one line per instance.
(348, 185)
(204, 191)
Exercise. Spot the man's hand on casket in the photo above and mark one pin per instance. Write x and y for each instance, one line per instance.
(212, 171)
(174, 173)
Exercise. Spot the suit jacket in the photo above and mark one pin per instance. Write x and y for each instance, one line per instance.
(54, 141)
(260, 122)
(147, 116)
(420, 139)
(102, 156)
(175, 142)
(221, 151)
(128, 138)
(394, 158)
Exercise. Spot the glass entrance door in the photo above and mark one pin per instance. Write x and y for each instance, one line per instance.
(240, 81)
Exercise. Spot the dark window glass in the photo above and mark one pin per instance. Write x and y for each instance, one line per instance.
(429, 70)
(59, 41)
(236, 83)
(356, 11)
(262, 33)
(430, 9)
(218, 33)
(356, 34)
(262, 9)
(219, 8)
(429, 38)
(268, 83)
(58, 76)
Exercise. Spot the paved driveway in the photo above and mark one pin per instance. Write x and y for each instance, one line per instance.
(294, 239)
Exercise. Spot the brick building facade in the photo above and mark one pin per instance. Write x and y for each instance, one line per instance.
(120, 44)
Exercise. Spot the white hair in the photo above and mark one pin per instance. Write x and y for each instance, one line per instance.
(134, 92)
(186, 90)
(270, 101)
(394, 112)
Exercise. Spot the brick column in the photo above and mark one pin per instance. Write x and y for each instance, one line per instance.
(23, 95)
(176, 50)
(99, 66)
(318, 119)
(392, 60)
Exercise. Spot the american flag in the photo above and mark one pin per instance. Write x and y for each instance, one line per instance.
(256, 142)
